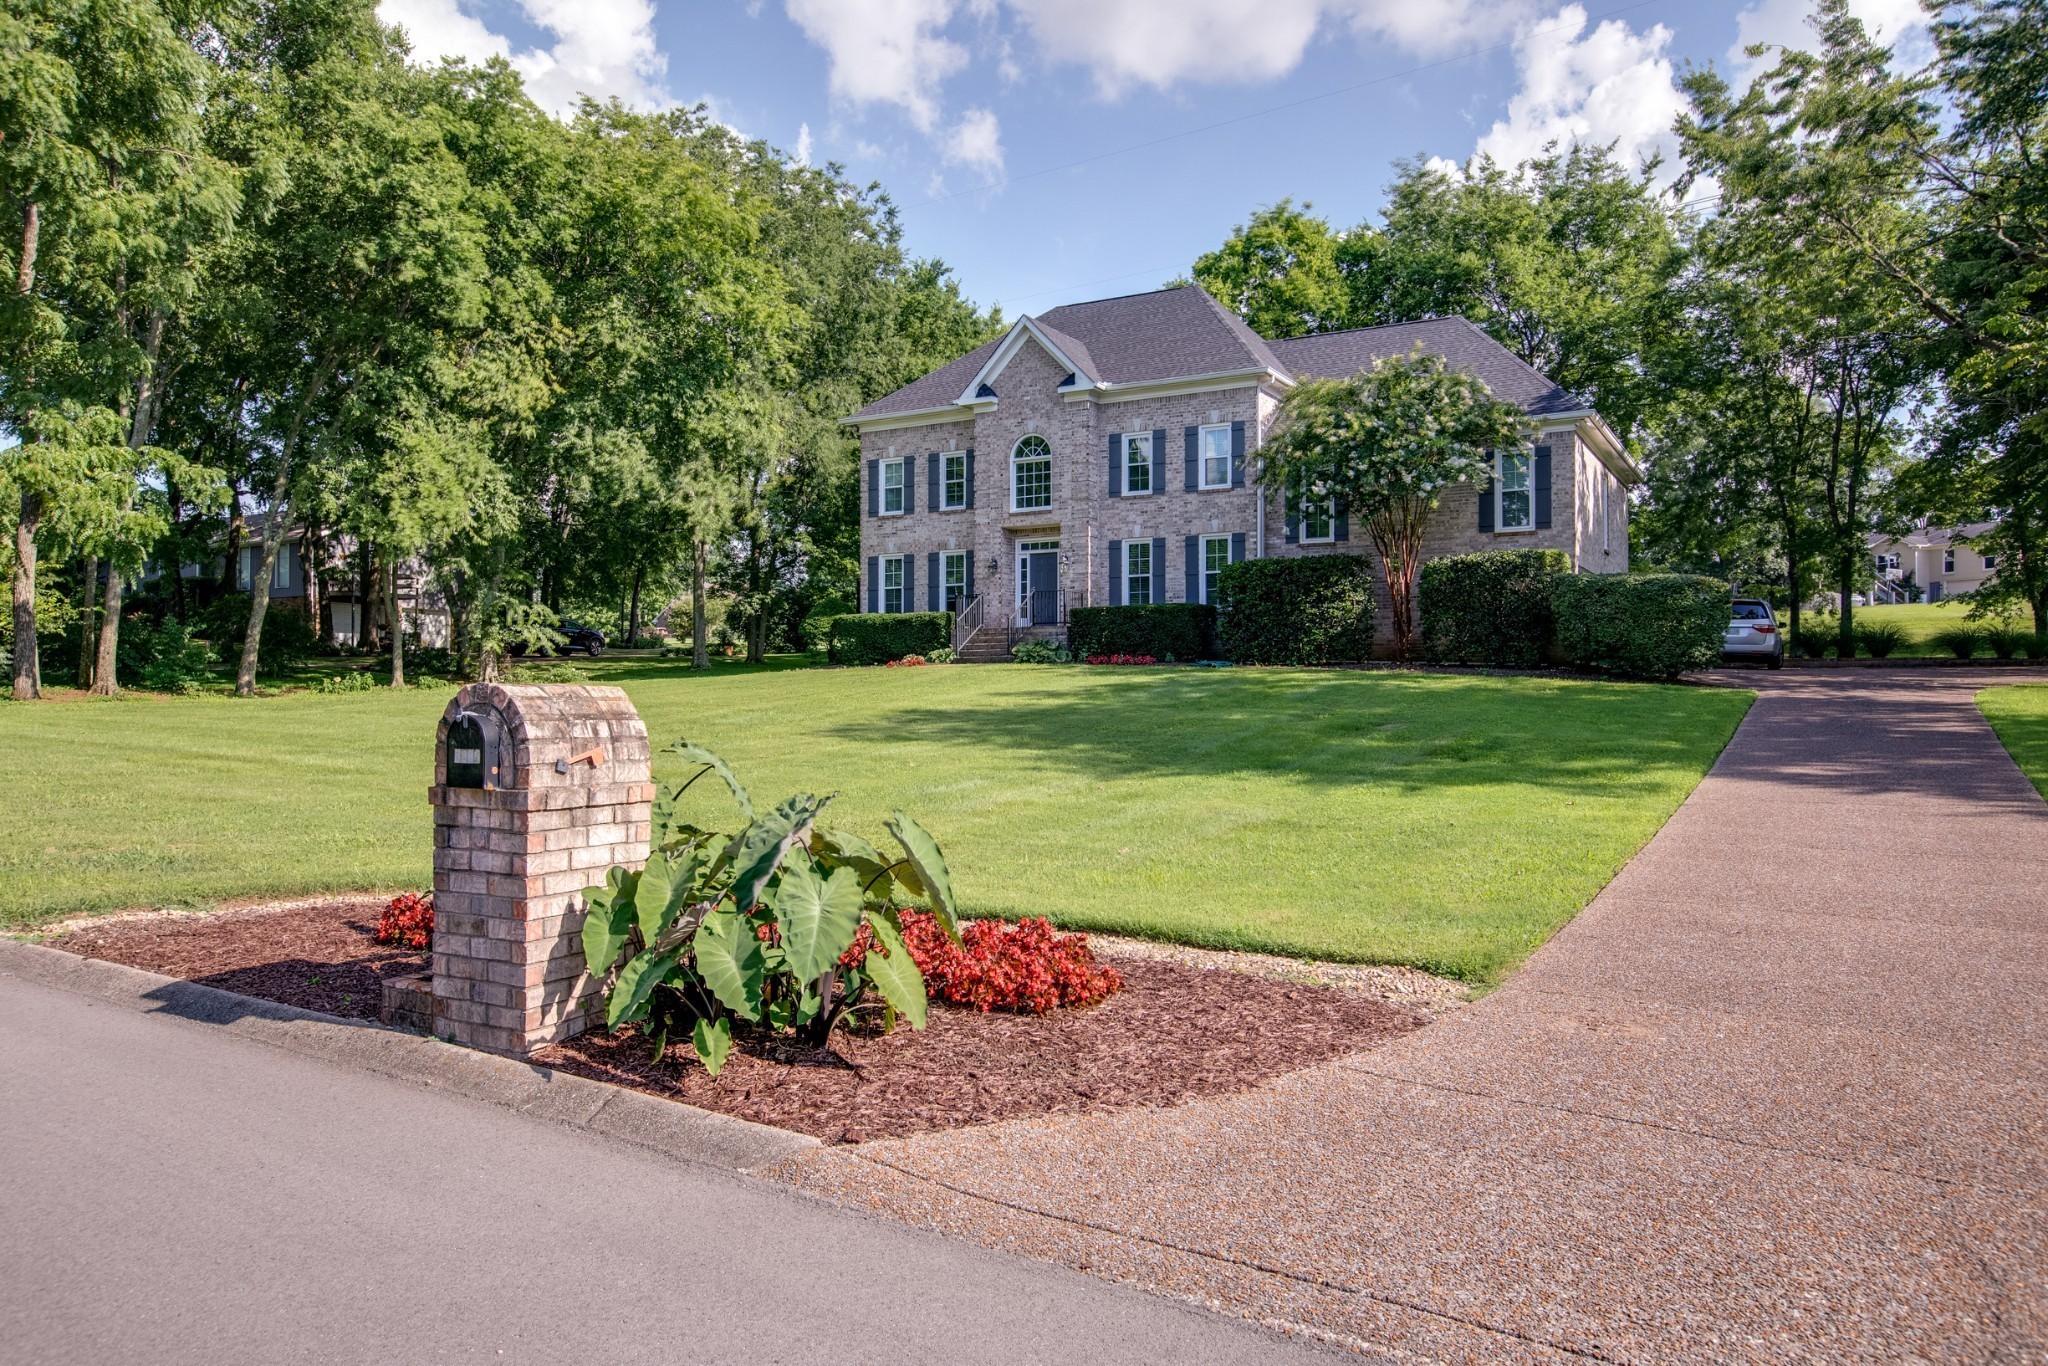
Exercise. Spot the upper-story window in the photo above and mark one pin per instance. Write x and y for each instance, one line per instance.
(892, 486)
(1030, 475)
(1215, 453)
(1515, 487)
(953, 480)
(1991, 562)
(1137, 463)
(1319, 521)
(1138, 573)
(1948, 561)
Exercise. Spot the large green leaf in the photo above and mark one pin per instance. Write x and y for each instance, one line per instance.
(819, 915)
(713, 1040)
(609, 914)
(934, 882)
(667, 885)
(840, 848)
(637, 981)
(764, 843)
(697, 754)
(732, 962)
(895, 976)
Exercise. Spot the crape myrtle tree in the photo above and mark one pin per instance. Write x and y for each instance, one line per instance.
(1384, 445)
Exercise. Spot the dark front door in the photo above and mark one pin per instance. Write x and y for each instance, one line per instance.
(1045, 587)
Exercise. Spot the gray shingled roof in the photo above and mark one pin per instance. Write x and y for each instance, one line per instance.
(1179, 333)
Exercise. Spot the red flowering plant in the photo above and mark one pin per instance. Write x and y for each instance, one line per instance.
(996, 965)
(408, 922)
(785, 926)
(907, 662)
(1121, 659)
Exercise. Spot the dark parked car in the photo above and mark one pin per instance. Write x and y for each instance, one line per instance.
(575, 636)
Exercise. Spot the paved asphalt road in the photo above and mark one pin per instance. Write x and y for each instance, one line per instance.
(171, 1193)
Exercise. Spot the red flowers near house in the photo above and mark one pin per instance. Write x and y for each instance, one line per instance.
(408, 922)
(1003, 966)
(907, 662)
(1121, 659)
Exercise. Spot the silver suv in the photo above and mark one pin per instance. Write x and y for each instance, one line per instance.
(1753, 634)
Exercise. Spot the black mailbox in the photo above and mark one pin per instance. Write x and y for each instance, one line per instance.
(472, 751)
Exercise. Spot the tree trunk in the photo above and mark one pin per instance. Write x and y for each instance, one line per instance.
(316, 601)
(88, 620)
(28, 669)
(106, 679)
(700, 624)
(238, 531)
(259, 605)
(633, 611)
(1395, 535)
(370, 629)
(396, 606)
(757, 625)
(31, 232)
(1845, 638)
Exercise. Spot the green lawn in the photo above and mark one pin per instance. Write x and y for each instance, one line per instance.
(2020, 716)
(1922, 621)
(1450, 822)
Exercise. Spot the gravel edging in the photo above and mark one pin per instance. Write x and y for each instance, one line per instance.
(1400, 986)
(671, 1128)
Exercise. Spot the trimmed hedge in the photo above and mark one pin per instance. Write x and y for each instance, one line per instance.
(1640, 625)
(1164, 630)
(1492, 607)
(1313, 610)
(878, 637)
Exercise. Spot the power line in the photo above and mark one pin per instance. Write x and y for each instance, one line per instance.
(1273, 109)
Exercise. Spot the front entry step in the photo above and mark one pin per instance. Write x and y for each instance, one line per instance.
(991, 645)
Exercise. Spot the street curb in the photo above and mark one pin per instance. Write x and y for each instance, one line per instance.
(668, 1127)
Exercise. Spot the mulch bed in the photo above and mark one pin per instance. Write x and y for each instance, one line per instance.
(1172, 1033)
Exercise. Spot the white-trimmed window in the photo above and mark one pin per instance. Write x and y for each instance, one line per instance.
(1948, 561)
(1991, 562)
(281, 571)
(892, 583)
(1214, 451)
(1600, 478)
(1515, 488)
(953, 480)
(1137, 463)
(1030, 475)
(245, 568)
(893, 474)
(1138, 569)
(1215, 555)
(1319, 522)
(953, 580)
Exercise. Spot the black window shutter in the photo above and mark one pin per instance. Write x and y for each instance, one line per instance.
(874, 488)
(934, 487)
(970, 488)
(1159, 569)
(1293, 520)
(967, 585)
(910, 583)
(1486, 504)
(1159, 459)
(1192, 552)
(1342, 529)
(1194, 457)
(874, 578)
(909, 484)
(1237, 547)
(1116, 465)
(1542, 486)
(935, 587)
(1237, 455)
(1116, 573)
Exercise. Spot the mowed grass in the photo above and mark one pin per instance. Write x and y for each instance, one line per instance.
(1921, 621)
(2020, 716)
(1447, 822)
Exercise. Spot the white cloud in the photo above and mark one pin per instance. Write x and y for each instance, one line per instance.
(803, 145)
(1608, 85)
(602, 47)
(885, 51)
(975, 141)
(1783, 23)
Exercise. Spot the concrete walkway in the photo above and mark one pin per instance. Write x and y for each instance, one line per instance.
(1780, 1093)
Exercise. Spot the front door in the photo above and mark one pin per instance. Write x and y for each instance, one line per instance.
(1038, 584)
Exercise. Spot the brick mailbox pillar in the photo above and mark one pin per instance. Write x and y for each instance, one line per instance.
(538, 790)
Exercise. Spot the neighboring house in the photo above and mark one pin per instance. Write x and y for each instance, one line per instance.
(1106, 453)
(1942, 562)
(343, 606)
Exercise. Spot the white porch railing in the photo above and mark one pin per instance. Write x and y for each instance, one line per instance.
(967, 621)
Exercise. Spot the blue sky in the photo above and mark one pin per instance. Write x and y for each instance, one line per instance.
(1053, 150)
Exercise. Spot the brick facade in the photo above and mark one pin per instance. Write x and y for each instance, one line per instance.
(1087, 518)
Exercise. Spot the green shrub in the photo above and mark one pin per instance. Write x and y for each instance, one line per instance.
(1881, 639)
(878, 637)
(1313, 610)
(1960, 641)
(2036, 647)
(2007, 642)
(288, 636)
(1811, 644)
(355, 680)
(173, 661)
(1640, 625)
(816, 632)
(546, 671)
(943, 655)
(1041, 652)
(1164, 630)
(1492, 607)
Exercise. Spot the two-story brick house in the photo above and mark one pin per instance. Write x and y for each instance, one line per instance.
(1106, 453)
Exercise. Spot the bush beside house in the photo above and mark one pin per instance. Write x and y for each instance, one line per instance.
(1316, 610)
(877, 638)
(1492, 607)
(1641, 625)
(1166, 630)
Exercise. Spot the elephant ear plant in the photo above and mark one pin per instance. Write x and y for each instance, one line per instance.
(785, 925)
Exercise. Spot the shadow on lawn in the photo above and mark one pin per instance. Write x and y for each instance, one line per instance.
(1410, 732)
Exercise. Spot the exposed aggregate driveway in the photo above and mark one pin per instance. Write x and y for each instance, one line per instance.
(1777, 1094)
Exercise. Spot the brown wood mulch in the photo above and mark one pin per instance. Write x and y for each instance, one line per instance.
(1172, 1033)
